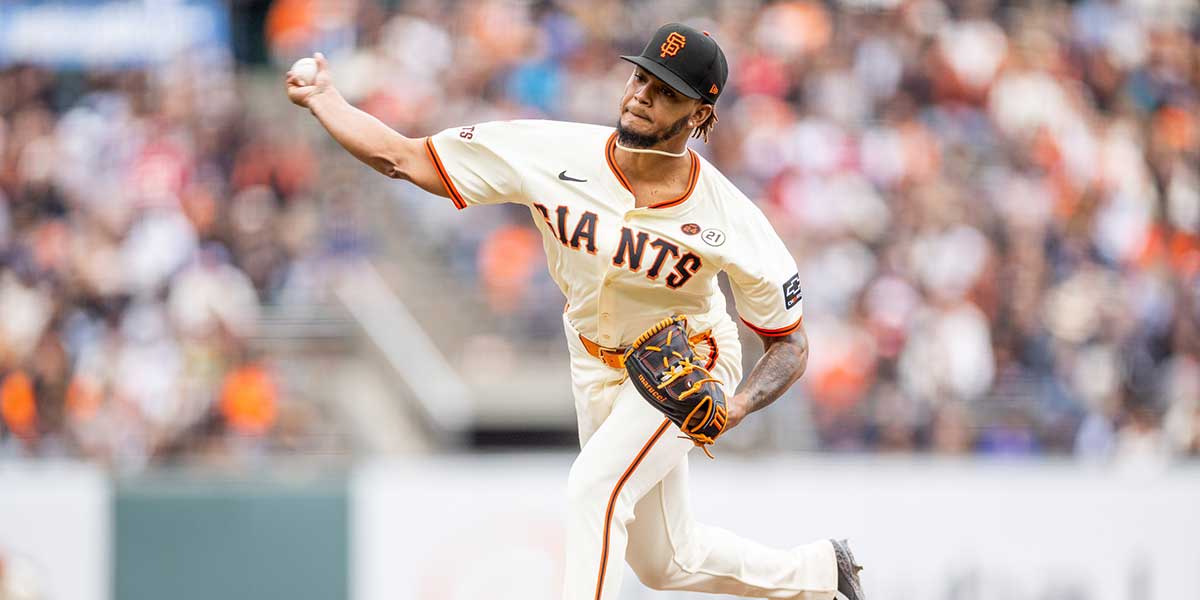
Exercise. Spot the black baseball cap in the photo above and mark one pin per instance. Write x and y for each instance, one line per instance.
(688, 60)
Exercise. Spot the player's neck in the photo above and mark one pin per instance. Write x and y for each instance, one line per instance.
(646, 166)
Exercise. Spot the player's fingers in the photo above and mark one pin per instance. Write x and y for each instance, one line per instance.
(322, 64)
(296, 80)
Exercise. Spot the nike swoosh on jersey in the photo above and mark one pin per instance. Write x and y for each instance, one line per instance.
(563, 176)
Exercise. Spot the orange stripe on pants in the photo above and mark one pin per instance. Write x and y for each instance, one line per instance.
(612, 501)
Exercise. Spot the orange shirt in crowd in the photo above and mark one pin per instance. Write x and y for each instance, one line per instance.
(507, 262)
(18, 406)
(84, 397)
(249, 400)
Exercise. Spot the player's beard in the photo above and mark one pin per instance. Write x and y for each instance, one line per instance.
(633, 139)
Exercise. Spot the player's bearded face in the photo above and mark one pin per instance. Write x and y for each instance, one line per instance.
(649, 118)
(636, 139)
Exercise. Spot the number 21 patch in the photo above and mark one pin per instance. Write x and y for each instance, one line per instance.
(791, 291)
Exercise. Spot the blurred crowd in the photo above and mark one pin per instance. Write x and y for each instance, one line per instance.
(995, 206)
(144, 219)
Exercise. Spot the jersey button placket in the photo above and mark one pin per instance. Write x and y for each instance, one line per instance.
(606, 309)
(607, 335)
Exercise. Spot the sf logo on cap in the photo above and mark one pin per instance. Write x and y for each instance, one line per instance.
(673, 45)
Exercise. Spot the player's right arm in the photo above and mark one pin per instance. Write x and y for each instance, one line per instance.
(367, 138)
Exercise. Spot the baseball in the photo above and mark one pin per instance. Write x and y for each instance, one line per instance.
(305, 70)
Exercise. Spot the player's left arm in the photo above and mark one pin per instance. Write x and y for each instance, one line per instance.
(766, 288)
(783, 362)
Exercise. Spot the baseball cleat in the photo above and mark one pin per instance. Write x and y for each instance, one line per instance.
(848, 587)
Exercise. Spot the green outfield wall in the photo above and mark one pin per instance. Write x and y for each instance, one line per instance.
(404, 529)
(200, 539)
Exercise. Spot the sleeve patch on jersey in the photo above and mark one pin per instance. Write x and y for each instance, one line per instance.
(791, 291)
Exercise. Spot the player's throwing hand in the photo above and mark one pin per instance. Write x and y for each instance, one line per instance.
(301, 92)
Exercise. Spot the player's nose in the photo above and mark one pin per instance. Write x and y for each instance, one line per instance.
(642, 93)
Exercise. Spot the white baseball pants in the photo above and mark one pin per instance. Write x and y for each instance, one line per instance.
(628, 501)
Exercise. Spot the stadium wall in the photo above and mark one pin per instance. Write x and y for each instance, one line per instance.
(490, 526)
(55, 530)
(452, 529)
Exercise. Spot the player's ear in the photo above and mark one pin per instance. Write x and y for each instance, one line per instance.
(699, 114)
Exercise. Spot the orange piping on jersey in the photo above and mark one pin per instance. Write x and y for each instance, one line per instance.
(610, 153)
(612, 501)
(455, 197)
(782, 331)
(693, 176)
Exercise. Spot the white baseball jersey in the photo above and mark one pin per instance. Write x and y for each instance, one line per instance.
(623, 268)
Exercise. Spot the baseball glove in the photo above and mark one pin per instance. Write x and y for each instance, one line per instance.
(663, 366)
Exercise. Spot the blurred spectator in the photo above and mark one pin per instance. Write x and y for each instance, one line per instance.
(18, 405)
(995, 208)
(249, 400)
(507, 259)
(140, 232)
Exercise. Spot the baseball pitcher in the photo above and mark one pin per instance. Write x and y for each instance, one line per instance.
(636, 227)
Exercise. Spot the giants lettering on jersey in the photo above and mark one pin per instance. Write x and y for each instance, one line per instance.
(630, 252)
(631, 249)
(585, 229)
